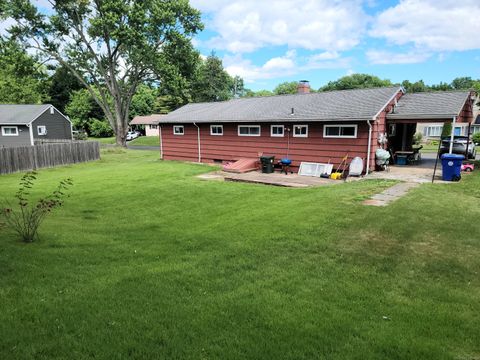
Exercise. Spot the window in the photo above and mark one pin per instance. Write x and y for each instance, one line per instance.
(300, 130)
(178, 130)
(457, 131)
(42, 130)
(432, 131)
(216, 130)
(153, 127)
(277, 130)
(248, 130)
(340, 131)
(52, 111)
(9, 130)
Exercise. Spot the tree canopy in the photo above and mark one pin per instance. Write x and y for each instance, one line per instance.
(111, 46)
(356, 81)
(212, 83)
(22, 79)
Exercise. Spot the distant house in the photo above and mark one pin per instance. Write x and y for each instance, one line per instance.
(148, 122)
(22, 125)
(307, 127)
(476, 125)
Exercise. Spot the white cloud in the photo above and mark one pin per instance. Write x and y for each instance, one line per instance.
(436, 25)
(247, 25)
(275, 67)
(282, 66)
(388, 57)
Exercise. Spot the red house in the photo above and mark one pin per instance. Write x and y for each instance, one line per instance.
(311, 127)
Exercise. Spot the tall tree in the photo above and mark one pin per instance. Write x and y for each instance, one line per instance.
(62, 84)
(144, 102)
(109, 45)
(22, 79)
(356, 81)
(418, 86)
(213, 83)
(462, 83)
(287, 87)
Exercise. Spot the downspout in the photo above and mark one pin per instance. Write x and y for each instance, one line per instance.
(30, 131)
(198, 141)
(370, 130)
(452, 133)
(161, 141)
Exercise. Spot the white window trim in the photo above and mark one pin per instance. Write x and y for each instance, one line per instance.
(250, 126)
(300, 135)
(325, 127)
(211, 130)
(9, 127)
(41, 133)
(175, 127)
(277, 135)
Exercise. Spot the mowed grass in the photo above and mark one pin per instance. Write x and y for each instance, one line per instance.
(146, 261)
(145, 141)
(107, 140)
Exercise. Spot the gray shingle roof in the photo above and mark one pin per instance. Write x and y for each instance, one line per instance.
(20, 114)
(430, 105)
(146, 120)
(361, 104)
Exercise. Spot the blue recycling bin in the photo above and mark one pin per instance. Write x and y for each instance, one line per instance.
(451, 167)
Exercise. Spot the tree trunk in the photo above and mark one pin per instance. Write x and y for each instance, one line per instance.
(121, 125)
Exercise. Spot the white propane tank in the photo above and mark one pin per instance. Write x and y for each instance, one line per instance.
(356, 167)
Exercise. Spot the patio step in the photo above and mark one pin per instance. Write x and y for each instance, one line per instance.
(241, 166)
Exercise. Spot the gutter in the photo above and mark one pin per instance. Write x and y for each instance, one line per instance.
(198, 141)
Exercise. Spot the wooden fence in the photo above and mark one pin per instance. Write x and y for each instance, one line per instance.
(46, 155)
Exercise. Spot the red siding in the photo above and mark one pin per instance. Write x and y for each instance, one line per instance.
(230, 146)
(315, 148)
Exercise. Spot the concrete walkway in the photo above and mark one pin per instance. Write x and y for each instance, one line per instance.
(391, 194)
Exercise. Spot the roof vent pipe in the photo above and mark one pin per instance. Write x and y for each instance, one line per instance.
(293, 111)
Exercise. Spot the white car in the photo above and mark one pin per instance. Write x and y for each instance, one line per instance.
(131, 135)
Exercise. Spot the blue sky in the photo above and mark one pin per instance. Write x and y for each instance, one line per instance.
(268, 42)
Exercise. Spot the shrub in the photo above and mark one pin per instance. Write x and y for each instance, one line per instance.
(100, 128)
(476, 138)
(417, 138)
(27, 217)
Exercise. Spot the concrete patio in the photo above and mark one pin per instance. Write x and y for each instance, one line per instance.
(275, 179)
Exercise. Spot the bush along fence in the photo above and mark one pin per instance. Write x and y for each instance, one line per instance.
(46, 155)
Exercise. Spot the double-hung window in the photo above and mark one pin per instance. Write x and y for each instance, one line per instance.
(340, 131)
(178, 130)
(42, 130)
(216, 130)
(300, 131)
(249, 130)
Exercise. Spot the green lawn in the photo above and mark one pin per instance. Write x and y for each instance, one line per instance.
(145, 261)
(107, 140)
(145, 141)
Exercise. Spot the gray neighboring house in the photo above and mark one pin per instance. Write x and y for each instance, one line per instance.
(22, 125)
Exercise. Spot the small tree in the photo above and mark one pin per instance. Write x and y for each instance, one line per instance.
(28, 216)
(476, 138)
